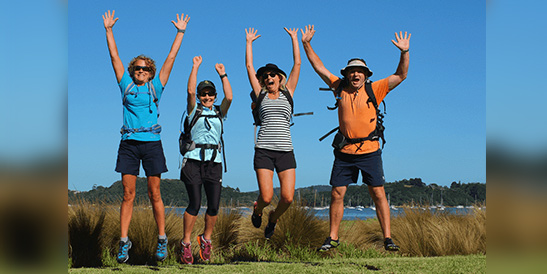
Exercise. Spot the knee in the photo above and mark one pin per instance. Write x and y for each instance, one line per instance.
(129, 195)
(212, 211)
(286, 199)
(267, 200)
(336, 196)
(154, 196)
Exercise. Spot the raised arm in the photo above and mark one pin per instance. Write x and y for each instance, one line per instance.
(180, 24)
(312, 56)
(227, 88)
(295, 71)
(192, 82)
(403, 44)
(109, 21)
(251, 73)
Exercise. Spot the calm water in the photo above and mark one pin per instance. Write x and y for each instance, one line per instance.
(350, 213)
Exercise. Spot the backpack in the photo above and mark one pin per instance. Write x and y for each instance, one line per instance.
(185, 139)
(378, 133)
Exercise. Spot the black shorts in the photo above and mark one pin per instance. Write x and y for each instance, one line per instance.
(345, 169)
(132, 152)
(197, 172)
(270, 159)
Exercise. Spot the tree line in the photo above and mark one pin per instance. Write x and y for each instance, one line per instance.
(403, 192)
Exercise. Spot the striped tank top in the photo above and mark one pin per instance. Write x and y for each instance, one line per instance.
(274, 133)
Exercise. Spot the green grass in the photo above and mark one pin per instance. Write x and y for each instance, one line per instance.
(390, 264)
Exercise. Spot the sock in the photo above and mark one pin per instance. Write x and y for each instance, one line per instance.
(162, 237)
(124, 239)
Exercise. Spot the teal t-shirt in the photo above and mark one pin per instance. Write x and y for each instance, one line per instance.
(139, 109)
(205, 131)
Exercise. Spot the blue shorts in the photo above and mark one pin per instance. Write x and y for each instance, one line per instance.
(132, 152)
(345, 169)
(270, 159)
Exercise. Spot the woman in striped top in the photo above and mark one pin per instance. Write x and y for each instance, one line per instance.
(273, 147)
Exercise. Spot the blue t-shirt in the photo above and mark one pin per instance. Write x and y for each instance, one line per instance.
(139, 109)
(205, 131)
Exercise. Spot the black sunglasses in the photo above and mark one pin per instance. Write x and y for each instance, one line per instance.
(211, 94)
(137, 68)
(271, 74)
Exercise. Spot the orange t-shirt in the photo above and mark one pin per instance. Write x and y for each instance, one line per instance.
(357, 119)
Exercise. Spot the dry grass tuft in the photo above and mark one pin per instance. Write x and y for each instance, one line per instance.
(85, 234)
(423, 233)
(297, 227)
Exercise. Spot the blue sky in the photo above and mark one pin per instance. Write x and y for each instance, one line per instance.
(436, 119)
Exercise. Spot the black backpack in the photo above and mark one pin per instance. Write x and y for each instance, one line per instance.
(340, 140)
(185, 139)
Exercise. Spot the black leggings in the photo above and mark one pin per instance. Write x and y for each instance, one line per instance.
(194, 174)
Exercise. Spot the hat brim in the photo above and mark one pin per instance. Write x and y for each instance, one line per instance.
(369, 72)
(263, 70)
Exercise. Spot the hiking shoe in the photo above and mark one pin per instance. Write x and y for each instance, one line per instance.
(186, 253)
(389, 245)
(205, 248)
(269, 231)
(161, 250)
(255, 218)
(329, 243)
(123, 252)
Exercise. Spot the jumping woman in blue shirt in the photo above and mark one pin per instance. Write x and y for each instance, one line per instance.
(141, 91)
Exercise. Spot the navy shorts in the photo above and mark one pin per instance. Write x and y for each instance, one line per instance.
(132, 152)
(270, 159)
(345, 169)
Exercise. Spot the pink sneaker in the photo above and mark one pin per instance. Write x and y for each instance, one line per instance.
(186, 253)
(205, 248)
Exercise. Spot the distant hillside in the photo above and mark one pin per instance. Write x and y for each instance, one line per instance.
(401, 192)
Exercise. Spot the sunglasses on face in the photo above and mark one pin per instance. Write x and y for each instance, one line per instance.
(271, 74)
(210, 94)
(137, 68)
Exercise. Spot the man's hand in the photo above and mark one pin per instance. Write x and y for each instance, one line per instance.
(402, 41)
(308, 34)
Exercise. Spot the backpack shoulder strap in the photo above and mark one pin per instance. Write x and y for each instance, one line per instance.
(153, 92)
(127, 91)
(370, 93)
(191, 123)
(337, 93)
(289, 98)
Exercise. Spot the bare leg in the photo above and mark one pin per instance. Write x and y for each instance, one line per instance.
(287, 180)
(265, 186)
(336, 210)
(209, 225)
(378, 195)
(126, 209)
(157, 203)
(189, 221)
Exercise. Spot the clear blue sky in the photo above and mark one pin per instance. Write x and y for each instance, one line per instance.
(435, 119)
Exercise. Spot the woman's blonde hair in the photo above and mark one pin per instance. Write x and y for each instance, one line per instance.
(149, 62)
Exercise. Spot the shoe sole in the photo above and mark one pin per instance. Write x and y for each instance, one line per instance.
(200, 250)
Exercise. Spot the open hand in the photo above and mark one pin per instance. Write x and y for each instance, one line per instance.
(308, 34)
(251, 34)
(292, 32)
(181, 21)
(109, 20)
(403, 42)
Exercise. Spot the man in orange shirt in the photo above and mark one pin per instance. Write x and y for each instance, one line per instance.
(358, 119)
